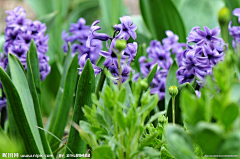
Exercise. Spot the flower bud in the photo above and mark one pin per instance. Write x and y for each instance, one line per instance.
(173, 91)
(121, 44)
(144, 84)
(224, 16)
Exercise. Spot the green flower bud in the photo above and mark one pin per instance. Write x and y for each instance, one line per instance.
(121, 44)
(173, 91)
(162, 120)
(224, 16)
(144, 84)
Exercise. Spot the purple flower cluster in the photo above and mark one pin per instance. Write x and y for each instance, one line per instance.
(18, 35)
(124, 31)
(204, 50)
(3, 100)
(78, 36)
(235, 30)
(160, 54)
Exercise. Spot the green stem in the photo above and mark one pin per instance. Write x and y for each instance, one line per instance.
(100, 83)
(120, 73)
(173, 110)
(224, 32)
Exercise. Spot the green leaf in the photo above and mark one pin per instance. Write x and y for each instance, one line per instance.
(229, 114)
(31, 60)
(152, 74)
(162, 15)
(85, 88)
(231, 144)
(178, 118)
(209, 137)
(179, 143)
(33, 57)
(199, 13)
(103, 151)
(21, 105)
(55, 111)
(66, 102)
(171, 81)
(40, 7)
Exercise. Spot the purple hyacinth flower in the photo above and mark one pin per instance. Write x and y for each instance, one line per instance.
(213, 55)
(79, 26)
(130, 51)
(162, 57)
(145, 66)
(236, 12)
(235, 33)
(195, 63)
(154, 47)
(111, 55)
(170, 41)
(18, 35)
(124, 74)
(82, 63)
(159, 89)
(208, 35)
(198, 93)
(94, 35)
(126, 28)
(183, 75)
(44, 67)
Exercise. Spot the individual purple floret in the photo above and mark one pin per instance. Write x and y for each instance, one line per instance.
(18, 35)
(235, 30)
(126, 28)
(78, 36)
(95, 35)
(236, 12)
(203, 52)
(82, 63)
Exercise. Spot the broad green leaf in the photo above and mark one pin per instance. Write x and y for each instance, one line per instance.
(103, 152)
(179, 142)
(178, 118)
(171, 81)
(229, 114)
(41, 7)
(85, 88)
(32, 59)
(55, 111)
(208, 136)
(66, 102)
(162, 15)
(231, 144)
(21, 105)
(199, 13)
(152, 74)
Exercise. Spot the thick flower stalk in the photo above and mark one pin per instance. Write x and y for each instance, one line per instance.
(204, 50)
(160, 54)
(117, 60)
(78, 37)
(18, 35)
(234, 31)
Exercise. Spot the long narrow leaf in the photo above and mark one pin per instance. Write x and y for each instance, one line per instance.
(31, 58)
(66, 102)
(55, 111)
(21, 105)
(85, 88)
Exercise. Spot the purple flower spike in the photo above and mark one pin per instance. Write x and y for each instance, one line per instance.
(236, 12)
(159, 89)
(124, 74)
(95, 35)
(126, 28)
(82, 63)
(18, 35)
